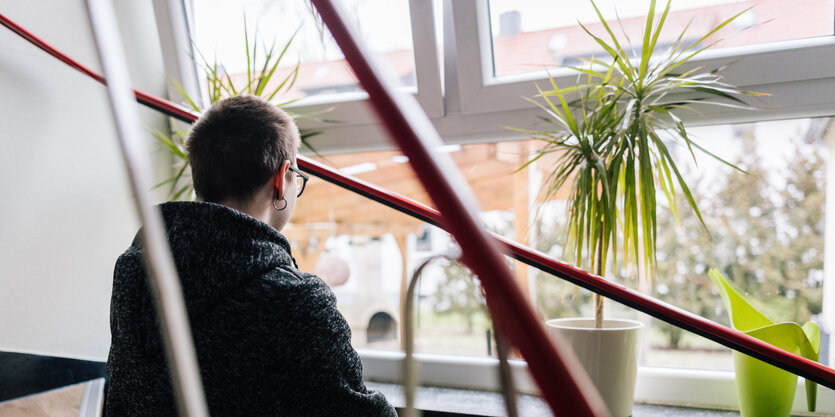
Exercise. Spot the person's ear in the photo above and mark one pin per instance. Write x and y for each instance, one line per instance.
(278, 180)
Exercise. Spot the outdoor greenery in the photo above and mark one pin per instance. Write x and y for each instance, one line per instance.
(610, 135)
(459, 294)
(554, 297)
(767, 237)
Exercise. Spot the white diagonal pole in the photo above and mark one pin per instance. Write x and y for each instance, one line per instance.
(162, 274)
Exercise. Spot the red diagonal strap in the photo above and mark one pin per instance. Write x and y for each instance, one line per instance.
(159, 104)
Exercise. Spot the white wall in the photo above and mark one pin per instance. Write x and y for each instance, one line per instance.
(65, 206)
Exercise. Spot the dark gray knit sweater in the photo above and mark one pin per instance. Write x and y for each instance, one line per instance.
(269, 339)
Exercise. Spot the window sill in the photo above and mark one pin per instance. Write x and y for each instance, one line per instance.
(676, 388)
(449, 402)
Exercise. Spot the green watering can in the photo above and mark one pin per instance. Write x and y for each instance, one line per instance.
(765, 390)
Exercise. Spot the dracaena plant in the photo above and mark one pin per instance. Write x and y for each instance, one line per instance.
(610, 135)
(261, 79)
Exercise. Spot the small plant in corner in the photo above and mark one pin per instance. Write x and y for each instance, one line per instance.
(261, 79)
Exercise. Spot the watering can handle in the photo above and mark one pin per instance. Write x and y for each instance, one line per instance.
(813, 333)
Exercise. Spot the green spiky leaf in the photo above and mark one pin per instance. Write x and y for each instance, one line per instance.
(611, 133)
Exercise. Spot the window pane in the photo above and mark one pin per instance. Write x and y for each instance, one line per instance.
(767, 231)
(380, 245)
(529, 35)
(383, 24)
(766, 236)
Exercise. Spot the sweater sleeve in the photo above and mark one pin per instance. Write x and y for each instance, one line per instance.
(328, 368)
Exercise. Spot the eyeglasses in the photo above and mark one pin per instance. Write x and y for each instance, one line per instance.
(301, 180)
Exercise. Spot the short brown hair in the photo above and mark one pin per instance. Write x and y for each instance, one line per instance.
(237, 146)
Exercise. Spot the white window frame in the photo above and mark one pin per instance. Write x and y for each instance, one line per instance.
(358, 127)
(800, 76)
(474, 106)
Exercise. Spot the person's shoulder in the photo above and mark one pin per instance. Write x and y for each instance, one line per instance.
(130, 262)
(284, 281)
(287, 276)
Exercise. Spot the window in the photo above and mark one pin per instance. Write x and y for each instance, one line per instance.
(767, 237)
(402, 33)
(473, 104)
(766, 234)
(485, 78)
(219, 30)
(333, 230)
(793, 71)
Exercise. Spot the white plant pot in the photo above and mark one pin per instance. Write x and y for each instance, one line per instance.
(609, 354)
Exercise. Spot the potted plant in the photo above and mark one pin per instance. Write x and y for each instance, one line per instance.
(609, 136)
(262, 78)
